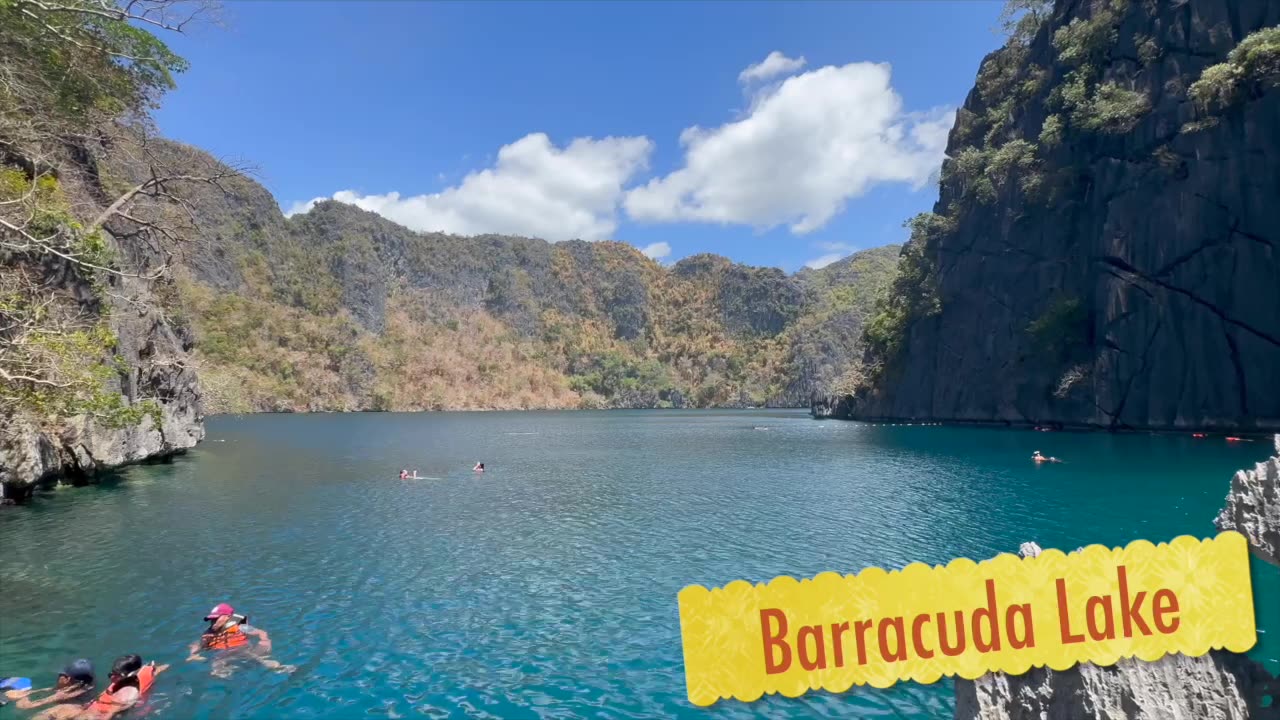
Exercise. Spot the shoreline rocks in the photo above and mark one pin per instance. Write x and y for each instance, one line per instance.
(1253, 507)
(1219, 685)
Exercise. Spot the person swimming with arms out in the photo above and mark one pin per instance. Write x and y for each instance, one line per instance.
(478, 468)
(74, 681)
(128, 683)
(228, 631)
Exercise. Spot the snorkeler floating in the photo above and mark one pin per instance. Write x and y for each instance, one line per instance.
(74, 681)
(128, 684)
(229, 631)
(130, 679)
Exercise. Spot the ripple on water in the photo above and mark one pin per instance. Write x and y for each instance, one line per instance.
(546, 587)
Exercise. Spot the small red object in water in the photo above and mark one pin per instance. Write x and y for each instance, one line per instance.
(1233, 439)
(1197, 435)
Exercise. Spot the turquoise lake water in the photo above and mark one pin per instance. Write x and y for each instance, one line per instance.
(546, 587)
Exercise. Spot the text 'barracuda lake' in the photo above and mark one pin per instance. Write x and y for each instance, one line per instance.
(964, 619)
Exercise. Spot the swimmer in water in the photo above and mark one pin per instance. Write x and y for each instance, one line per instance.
(75, 680)
(404, 474)
(228, 631)
(479, 467)
(127, 685)
(1038, 458)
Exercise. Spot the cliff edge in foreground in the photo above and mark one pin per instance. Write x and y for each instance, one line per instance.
(99, 360)
(1220, 685)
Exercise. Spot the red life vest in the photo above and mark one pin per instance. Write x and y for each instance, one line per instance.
(225, 639)
(146, 677)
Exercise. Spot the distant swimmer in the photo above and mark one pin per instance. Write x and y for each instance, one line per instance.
(404, 474)
(1038, 458)
(229, 631)
(479, 467)
(1238, 439)
(1197, 435)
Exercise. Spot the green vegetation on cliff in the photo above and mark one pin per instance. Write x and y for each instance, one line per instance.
(71, 72)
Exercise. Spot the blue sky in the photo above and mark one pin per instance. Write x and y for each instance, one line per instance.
(817, 124)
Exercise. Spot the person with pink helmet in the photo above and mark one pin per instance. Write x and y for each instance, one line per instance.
(228, 634)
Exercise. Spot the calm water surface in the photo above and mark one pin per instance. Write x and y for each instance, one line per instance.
(546, 587)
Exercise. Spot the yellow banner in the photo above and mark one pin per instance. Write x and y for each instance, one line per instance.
(1008, 613)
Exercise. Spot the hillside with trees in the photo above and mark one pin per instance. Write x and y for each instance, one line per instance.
(341, 309)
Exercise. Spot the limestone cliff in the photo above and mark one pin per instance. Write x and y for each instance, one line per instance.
(1105, 250)
(1253, 507)
(377, 316)
(140, 399)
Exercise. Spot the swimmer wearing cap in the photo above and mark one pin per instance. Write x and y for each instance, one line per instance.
(74, 681)
(230, 631)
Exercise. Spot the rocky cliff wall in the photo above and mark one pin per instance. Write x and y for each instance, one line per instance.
(147, 359)
(1109, 250)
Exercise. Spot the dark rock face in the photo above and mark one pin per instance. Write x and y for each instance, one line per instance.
(751, 300)
(1166, 240)
(829, 407)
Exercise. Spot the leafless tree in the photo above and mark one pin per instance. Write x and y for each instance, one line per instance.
(62, 229)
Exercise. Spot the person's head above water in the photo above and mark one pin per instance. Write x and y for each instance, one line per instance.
(76, 672)
(124, 666)
(220, 615)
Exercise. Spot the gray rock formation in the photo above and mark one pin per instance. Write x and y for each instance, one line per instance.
(1217, 686)
(78, 447)
(1253, 507)
(822, 408)
(1162, 239)
(1220, 685)
(151, 350)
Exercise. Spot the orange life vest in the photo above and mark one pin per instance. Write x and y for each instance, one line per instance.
(225, 639)
(146, 677)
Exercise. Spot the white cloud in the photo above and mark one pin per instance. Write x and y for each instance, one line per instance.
(823, 260)
(534, 189)
(836, 251)
(302, 207)
(773, 65)
(807, 146)
(834, 246)
(656, 251)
